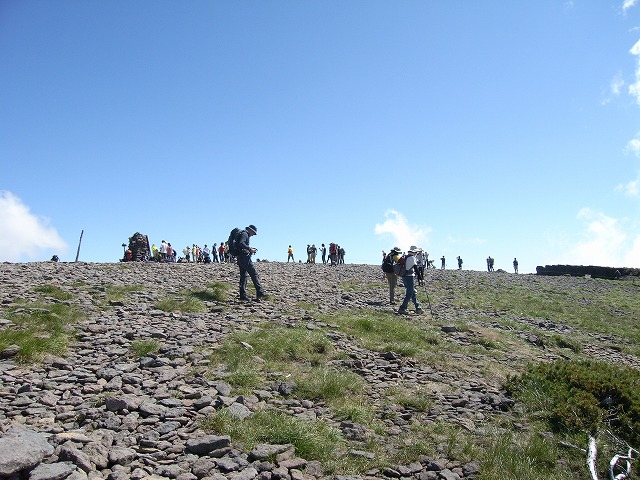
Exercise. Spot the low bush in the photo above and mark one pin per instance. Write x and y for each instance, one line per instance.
(577, 396)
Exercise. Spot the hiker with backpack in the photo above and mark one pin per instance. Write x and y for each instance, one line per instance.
(238, 246)
(404, 268)
(387, 267)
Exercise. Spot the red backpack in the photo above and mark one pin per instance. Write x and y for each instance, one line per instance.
(398, 267)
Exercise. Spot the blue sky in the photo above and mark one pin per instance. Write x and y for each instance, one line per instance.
(470, 128)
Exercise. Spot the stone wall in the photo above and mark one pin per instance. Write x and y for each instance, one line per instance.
(583, 270)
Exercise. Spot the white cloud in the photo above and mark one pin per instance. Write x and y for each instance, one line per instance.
(24, 234)
(634, 146)
(634, 88)
(607, 241)
(631, 189)
(627, 4)
(401, 231)
(615, 87)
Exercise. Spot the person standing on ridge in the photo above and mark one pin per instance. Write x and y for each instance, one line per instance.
(515, 265)
(290, 255)
(246, 265)
(387, 267)
(408, 278)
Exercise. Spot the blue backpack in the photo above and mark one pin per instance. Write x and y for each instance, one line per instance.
(232, 243)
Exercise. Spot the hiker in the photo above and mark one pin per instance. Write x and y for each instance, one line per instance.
(290, 255)
(333, 253)
(323, 250)
(408, 278)
(246, 265)
(459, 262)
(341, 252)
(515, 265)
(442, 261)
(387, 267)
(214, 252)
(221, 252)
(314, 252)
(488, 264)
(421, 256)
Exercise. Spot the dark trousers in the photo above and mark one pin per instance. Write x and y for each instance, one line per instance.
(246, 266)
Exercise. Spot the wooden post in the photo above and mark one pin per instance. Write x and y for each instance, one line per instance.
(79, 243)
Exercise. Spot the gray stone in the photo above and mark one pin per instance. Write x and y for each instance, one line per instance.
(77, 457)
(51, 471)
(263, 451)
(121, 455)
(208, 443)
(22, 449)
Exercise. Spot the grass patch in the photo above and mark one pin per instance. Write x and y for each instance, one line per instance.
(313, 440)
(592, 305)
(194, 300)
(118, 293)
(53, 291)
(527, 456)
(186, 303)
(215, 292)
(385, 332)
(142, 348)
(39, 329)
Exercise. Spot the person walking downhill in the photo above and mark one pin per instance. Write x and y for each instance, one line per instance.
(246, 265)
(408, 278)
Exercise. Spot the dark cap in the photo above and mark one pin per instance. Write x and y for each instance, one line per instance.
(253, 229)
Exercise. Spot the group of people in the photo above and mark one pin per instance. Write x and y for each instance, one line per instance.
(336, 253)
(193, 253)
(215, 254)
(408, 267)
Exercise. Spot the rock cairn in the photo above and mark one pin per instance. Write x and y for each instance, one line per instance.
(139, 246)
(101, 413)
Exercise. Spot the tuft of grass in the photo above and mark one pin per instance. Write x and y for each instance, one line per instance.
(39, 329)
(215, 292)
(142, 348)
(328, 384)
(384, 331)
(53, 292)
(524, 456)
(186, 303)
(416, 399)
(313, 440)
(117, 293)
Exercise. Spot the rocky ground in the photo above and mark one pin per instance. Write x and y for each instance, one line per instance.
(99, 412)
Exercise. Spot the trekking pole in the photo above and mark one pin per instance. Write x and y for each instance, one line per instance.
(428, 300)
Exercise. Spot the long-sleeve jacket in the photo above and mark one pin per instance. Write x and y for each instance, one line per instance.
(243, 243)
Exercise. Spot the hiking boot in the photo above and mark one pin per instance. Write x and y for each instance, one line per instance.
(402, 311)
(244, 299)
(419, 311)
(261, 296)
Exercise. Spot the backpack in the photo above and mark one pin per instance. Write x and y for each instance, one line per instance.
(232, 243)
(387, 263)
(398, 268)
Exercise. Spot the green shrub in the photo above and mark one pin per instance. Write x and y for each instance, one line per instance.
(576, 396)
